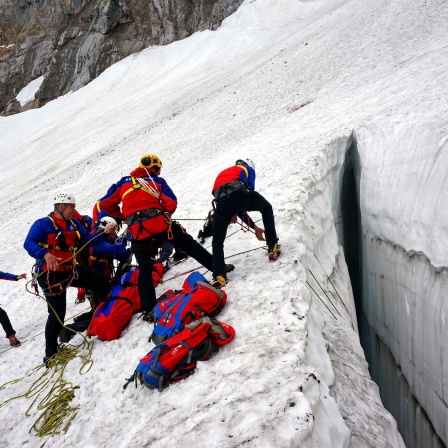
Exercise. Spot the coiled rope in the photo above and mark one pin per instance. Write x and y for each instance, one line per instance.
(52, 393)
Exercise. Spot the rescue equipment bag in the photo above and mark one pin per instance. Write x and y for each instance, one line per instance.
(112, 316)
(175, 359)
(175, 309)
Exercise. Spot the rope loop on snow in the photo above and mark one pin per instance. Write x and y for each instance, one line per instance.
(57, 413)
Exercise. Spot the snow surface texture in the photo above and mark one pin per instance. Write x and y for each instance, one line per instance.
(286, 83)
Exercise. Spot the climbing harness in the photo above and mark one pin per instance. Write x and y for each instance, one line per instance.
(169, 221)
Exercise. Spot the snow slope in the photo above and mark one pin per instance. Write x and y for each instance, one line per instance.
(288, 84)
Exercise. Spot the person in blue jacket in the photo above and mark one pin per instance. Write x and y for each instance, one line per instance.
(101, 260)
(4, 319)
(53, 242)
(102, 256)
(234, 193)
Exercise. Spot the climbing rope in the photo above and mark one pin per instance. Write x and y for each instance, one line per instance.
(199, 267)
(22, 341)
(326, 306)
(240, 229)
(52, 393)
(191, 219)
(57, 413)
(334, 287)
(323, 290)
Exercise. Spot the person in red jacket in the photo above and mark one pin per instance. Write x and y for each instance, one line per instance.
(234, 193)
(147, 203)
(53, 242)
(4, 319)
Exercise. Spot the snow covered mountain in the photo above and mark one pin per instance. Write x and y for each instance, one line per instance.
(342, 105)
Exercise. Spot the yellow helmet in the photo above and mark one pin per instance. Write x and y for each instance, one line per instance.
(150, 161)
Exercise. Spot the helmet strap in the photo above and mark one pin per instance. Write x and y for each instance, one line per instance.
(61, 212)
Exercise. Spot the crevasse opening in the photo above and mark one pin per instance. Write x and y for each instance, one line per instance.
(397, 396)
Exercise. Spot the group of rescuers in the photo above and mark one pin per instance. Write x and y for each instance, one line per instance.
(147, 203)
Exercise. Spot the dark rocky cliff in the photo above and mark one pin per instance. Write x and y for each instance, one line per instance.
(71, 42)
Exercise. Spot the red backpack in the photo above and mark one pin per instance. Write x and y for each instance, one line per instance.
(112, 316)
(175, 359)
(174, 310)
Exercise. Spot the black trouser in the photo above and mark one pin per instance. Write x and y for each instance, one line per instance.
(226, 207)
(81, 322)
(98, 283)
(142, 250)
(6, 323)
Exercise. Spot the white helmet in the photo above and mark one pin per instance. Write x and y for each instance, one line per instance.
(103, 222)
(246, 161)
(64, 198)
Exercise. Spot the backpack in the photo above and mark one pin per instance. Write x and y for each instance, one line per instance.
(112, 316)
(175, 309)
(130, 275)
(207, 229)
(123, 301)
(175, 359)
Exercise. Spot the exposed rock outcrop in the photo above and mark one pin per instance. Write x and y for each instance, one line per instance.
(71, 42)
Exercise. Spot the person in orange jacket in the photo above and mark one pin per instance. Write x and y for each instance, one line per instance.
(234, 193)
(147, 203)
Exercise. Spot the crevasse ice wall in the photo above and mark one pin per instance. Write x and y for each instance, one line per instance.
(332, 341)
(403, 183)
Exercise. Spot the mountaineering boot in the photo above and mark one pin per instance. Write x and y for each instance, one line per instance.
(219, 282)
(65, 336)
(13, 341)
(230, 267)
(148, 316)
(46, 361)
(274, 252)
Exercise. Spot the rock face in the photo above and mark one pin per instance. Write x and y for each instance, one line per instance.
(71, 42)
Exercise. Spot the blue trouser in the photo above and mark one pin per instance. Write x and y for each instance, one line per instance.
(166, 251)
(228, 206)
(6, 323)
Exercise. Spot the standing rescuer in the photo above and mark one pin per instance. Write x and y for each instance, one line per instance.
(234, 193)
(53, 241)
(147, 203)
(4, 319)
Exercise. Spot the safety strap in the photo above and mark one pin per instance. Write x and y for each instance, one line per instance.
(138, 186)
(70, 249)
(63, 285)
(169, 231)
(51, 247)
(245, 170)
(126, 299)
(99, 260)
(58, 229)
